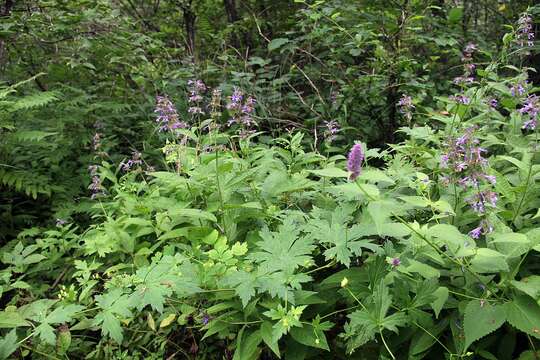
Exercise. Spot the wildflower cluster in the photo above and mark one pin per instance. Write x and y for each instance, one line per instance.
(241, 109)
(531, 108)
(134, 161)
(461, 99)
(464, 159)
(331, 130)
(167, 118)
(468, 168)
(525, 33)
(405, 106)
(354, 161)
(196, 90)
(95, 186)
(519, 88)
(215, 104)
(468, 66)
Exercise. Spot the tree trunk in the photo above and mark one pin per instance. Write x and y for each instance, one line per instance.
(189, 23)
(6, 10)
(232, 17)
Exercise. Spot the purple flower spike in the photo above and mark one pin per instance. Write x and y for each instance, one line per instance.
(354, 161)
(396, 262)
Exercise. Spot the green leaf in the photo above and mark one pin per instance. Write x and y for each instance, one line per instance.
(247, 346)
(267, 334)
(330, 228)
(455, 14)
(284, 250)
(112, 304)
(367, 322)
(423, 340)
(524, 314)
(244, 284)
(310, 336)
(512, 244)
(422, 269)
(441, 295)
(8, 344)
(481, 319)
(12, 319)
(488, 261)
(529, 285)
(330, 172)
(193, 215)
(277, 43)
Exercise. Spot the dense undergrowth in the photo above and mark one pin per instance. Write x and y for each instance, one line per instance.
(224, 234)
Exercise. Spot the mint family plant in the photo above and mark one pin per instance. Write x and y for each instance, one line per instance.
(250, 247)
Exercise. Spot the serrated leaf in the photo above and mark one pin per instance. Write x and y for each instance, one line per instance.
(524, 314)
(481, 319)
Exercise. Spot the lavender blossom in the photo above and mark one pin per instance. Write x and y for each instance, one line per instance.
(461, 99)
(396, 262)
(531, 108)
(96, 141)
(196, 90)
(331, 130)
(354, 161)
(205, 319)
(518, 89)
(167, 118)
(483, 228)
(464, 160)
(479, 201)
(134, 161)
(405, 106)
(468, 66)
(241, 109)
(525, 33)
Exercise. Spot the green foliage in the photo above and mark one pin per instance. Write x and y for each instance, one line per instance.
(245, 236)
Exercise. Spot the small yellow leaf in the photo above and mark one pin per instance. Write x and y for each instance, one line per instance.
(167, 321)
(151, 322)
(239, 249)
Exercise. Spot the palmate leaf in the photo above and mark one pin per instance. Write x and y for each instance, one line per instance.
(244, 283)
(113, 304)
(372, 318)
(284, 250)
(39, 312)
(161, 279)
(330, 227)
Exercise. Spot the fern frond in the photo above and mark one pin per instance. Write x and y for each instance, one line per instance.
(25, 182)
(31, 135)
(35, 100)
